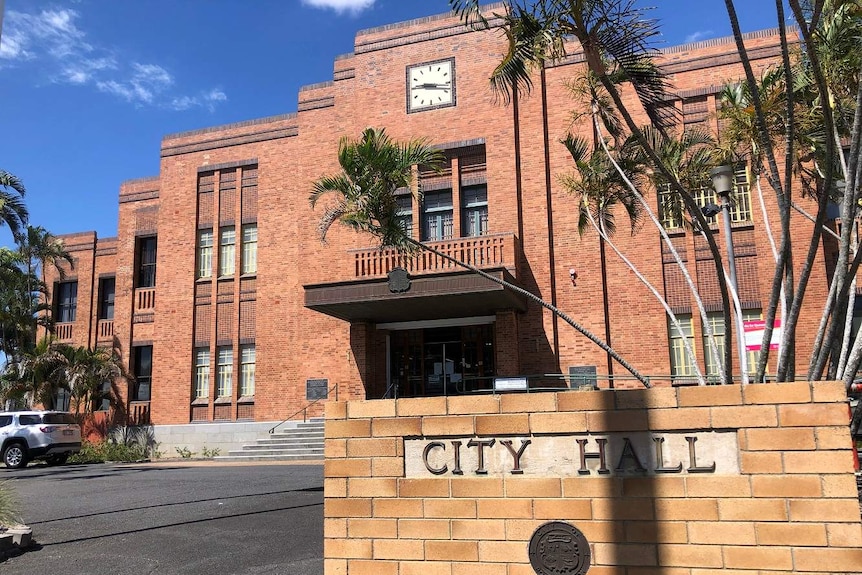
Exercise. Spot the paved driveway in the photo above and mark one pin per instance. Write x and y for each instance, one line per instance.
(170, 519)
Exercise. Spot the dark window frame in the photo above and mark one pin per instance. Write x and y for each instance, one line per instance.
(107, 297)
(147, 255)
(142, 367)
(66, 304)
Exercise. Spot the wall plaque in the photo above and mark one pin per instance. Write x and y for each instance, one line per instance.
(558, 548)
(583, 376)
(635, 453)
(316, 389)
(399, 280)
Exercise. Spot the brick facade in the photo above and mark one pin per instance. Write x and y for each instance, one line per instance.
(527, 211)
(791, 507)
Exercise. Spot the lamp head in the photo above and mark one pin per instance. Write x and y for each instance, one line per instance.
(722, 179)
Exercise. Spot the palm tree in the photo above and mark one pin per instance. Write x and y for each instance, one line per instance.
(39, 247)
(373, 168)
(13, 212)
(617, 40)
(87, 370)
(36, 375)
(599, 189)
(18, 304)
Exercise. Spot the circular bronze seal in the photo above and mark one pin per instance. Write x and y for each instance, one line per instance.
(558, 548)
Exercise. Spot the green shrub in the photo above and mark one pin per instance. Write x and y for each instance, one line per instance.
(210, 453)
(8, 507)
(102, 451)
(185, 452)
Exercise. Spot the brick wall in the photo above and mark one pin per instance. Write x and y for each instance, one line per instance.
(791, 508)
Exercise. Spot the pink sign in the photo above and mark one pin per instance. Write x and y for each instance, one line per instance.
(754, 334)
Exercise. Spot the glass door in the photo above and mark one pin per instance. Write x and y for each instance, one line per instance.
(443, 368)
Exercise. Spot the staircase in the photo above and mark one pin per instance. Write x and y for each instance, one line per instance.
(302, 441)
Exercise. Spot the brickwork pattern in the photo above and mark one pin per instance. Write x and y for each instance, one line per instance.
(793, 509)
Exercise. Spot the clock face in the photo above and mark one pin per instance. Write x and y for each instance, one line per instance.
(431, 85)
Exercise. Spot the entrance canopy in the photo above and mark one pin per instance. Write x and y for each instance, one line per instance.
(425, 297)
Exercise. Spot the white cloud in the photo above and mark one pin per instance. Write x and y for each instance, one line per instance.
(50, 31)
(352, 6)
(206, 100)
(698, 36)
(52, 41)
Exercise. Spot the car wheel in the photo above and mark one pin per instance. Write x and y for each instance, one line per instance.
(15, 456)
(58, 459)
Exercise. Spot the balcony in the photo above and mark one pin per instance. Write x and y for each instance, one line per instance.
(145, 305)
(105, 329)
(63, 331)
(139, 413)
(490, 251)
(436, 288)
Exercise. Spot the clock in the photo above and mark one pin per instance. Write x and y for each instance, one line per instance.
(431, 85)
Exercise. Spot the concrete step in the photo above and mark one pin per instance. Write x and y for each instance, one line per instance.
(312, 453)
(300, 441)
(278, 457)
(286, 448)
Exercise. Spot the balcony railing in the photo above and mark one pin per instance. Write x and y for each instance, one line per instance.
(145, 299)
(105, 329)
(63, 331)
(490, 251)
(139, 413)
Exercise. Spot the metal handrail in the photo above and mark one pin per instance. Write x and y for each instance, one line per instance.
(304, 410)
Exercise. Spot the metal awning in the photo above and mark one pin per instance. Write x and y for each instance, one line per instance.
(437, 296)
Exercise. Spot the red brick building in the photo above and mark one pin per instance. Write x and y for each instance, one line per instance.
(227, 307)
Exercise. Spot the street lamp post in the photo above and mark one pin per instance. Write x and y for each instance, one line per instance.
(722, 182)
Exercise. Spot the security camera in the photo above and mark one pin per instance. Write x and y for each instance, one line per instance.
(710, 210)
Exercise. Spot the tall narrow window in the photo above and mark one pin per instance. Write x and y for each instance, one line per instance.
(437, 216)
(475, 212)
(107, 287)
(225, 372)
(404, 203)
(681, 366)
(102, 401)
(67, 301)
(247, 363)
(227, 253)
(146, 262)
(143, 370)
(716, 323)
(205, 254)
(249, 249)
(202, 373)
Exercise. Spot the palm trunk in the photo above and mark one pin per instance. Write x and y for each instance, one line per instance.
(559, 313)
(686, 344)
(789, 326)
(691, 205)
(848, 214)
(771, 237)
(783, 267)
(707, 328)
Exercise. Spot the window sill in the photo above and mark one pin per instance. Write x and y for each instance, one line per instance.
(225, 278)
(246, 399)
(222, 400)
(203, 280)
(200, 401)
(249, 276)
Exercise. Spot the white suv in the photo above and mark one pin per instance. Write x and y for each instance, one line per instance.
(28, 435)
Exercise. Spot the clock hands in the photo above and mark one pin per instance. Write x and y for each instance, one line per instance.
(432, 86)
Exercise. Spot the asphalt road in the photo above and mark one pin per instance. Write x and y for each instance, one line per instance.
(165, 520)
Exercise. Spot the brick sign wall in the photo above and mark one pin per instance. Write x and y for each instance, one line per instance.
(781, 498)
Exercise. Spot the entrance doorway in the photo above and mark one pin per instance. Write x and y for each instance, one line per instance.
(441, 361)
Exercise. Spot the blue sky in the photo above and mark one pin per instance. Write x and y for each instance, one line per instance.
(89, 87)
